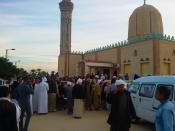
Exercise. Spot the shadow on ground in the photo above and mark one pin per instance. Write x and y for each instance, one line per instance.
(91, 121)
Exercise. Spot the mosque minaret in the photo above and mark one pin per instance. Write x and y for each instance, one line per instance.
(66, 7)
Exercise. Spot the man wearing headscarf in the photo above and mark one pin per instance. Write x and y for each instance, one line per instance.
(43, 96)
(121, 108)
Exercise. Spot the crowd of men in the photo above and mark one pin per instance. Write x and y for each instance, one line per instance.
(43, 94)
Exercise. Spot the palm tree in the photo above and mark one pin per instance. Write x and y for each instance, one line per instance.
(33, 72)
(38, 71)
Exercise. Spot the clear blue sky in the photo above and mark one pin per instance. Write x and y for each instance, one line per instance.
(32, 27)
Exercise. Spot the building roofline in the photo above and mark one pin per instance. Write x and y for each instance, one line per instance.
(129, 42)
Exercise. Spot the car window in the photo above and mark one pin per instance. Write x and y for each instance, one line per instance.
(133, 88)
(170, 87)
(147, 90)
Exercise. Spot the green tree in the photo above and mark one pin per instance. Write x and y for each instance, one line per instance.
(21, 72)
(33, 72)
(43, 73)
(38, 71)
(7, 69)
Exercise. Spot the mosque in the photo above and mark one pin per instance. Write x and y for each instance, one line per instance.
(147, 49)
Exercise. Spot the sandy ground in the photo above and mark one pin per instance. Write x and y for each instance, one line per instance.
(91, 121)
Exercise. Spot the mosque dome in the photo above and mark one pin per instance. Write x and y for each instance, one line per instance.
(145, 19)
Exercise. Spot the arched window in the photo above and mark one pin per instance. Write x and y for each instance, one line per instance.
(135, 52)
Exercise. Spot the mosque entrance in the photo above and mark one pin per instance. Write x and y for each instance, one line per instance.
(89, 67)
(106, 72)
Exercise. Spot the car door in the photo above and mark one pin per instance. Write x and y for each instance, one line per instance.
(133, 89)
(144, 109)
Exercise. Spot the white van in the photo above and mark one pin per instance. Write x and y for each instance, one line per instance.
(143, 95)
(1, 82)
(4, 82)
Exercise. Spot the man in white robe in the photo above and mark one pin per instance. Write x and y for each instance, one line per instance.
(43, 97)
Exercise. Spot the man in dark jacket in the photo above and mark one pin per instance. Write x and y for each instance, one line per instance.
(24, 91)
(8, 121)
(78, 96)
(52, 93)
(121, 108)
(69, 102)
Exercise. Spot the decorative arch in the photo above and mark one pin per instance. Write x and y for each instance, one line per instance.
(135, 52)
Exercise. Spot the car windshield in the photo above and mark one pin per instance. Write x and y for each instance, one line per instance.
(133, 88)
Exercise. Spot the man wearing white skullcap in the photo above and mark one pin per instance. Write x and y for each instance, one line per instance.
(121, 108)
(118, 82)
(79, 81)
(121, 82)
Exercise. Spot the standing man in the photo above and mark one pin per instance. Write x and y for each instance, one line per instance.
(35, 96)
(78, 96)
(25, 90)
(69, 101)
(43, 96)
(53, 87)
(121, 108)
(9, 116)
(165, 117)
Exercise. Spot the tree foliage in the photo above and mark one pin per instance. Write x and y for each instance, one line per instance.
(8, 70)
(38, 72)
(21, 72)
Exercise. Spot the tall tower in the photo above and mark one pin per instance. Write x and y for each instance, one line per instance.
(66, 7)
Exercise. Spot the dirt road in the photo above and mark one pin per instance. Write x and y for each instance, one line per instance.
(91, 121)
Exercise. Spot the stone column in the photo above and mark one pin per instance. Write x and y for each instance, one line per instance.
(156, 57)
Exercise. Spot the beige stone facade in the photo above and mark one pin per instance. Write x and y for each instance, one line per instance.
(167, 57)
(136, 56)
(147, 51)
